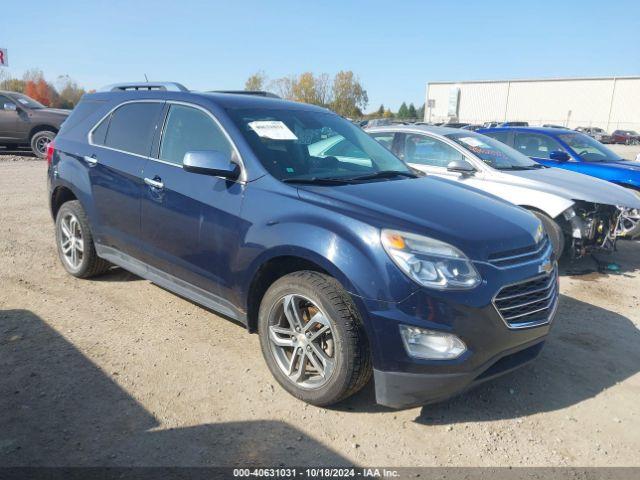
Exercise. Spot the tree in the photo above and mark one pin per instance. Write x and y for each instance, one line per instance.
(323, 89)
(412, 111)
(257, 81)
(305, 90)
(349, 98)
(12, 85)
(70, 93)
(388, 114)
(420, 113)
(380, 111)
(403, 112)
(283, 87)
(39, 90)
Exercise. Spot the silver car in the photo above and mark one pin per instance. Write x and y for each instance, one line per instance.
(580, 212)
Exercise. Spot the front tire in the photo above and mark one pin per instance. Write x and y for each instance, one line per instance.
(312, 339)
(40, 141)
(556, 235)
(74, 241)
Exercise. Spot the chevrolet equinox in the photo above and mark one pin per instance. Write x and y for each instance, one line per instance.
(345, 261)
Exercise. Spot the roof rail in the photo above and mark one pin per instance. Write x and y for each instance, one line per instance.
(167, 86)
(259, 93)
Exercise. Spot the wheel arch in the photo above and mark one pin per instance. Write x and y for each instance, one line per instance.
(42, 127)
(59, 196)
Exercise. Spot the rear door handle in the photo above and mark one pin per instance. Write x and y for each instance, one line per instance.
(154, 183)
(90, 160)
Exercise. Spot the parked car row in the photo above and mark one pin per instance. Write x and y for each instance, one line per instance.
(400, 253)
(576, 210)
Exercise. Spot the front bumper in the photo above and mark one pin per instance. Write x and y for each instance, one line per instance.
(494, 346)
(404, 390)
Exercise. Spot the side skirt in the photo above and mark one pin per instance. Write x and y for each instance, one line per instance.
(171, 283)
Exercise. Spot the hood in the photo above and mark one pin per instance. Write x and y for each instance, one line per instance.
(619, 164)
(572, 186)
(479, 224)
(57, 111)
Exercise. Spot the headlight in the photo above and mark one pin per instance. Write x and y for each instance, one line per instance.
(430, 262)
(421, 343)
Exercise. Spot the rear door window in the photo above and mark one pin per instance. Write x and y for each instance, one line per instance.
(188, 129)
(429, 151)
(132, 127)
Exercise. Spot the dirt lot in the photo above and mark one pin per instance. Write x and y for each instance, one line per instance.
(117, 371)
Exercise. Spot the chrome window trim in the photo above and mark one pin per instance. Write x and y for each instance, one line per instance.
(243, 171)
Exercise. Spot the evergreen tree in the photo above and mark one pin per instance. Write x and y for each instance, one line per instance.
(403, 112)
(412, 111)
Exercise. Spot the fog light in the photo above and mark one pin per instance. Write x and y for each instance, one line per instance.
(429, 344)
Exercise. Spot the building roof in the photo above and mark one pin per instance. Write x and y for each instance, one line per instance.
(562, 79)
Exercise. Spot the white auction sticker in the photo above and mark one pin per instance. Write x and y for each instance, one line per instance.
(275, 130)
(473, 142)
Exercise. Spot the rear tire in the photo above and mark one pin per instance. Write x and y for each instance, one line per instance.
(74, 241)
(556, 235)
(329, 338)
(39, 142)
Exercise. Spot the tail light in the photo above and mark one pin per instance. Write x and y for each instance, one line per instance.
(50, 149)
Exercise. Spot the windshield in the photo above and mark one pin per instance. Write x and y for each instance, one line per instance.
(588, 149)
(493, 152)
(27, 101)
(302, 144)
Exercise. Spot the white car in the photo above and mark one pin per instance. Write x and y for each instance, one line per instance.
(578, 211)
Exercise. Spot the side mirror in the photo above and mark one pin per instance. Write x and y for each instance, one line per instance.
(460, 166)
(10, 106)
(559, 156)
(210, 162)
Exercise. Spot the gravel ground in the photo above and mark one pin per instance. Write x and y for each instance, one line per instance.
(117, 371)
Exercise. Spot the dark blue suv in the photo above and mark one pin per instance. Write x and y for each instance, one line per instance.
(346, 263)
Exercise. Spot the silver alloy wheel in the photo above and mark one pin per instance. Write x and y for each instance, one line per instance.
(41, 145)
(302, 341)
(71, 241)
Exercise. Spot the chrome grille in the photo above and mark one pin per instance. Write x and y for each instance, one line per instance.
(529, 303)
(517, 257)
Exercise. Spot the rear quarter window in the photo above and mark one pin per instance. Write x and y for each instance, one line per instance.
(79, 114)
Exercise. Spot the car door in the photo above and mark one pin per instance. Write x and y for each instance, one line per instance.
(121, 144)
(9, 119)
(190, 221)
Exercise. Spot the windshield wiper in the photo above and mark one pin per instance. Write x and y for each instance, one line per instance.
(384, 174)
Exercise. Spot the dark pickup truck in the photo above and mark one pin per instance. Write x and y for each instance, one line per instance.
(23, 121)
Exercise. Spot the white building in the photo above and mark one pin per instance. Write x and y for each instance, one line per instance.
(611, 103)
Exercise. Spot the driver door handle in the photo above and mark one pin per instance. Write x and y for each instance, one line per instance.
(154, 183)
(90, 160)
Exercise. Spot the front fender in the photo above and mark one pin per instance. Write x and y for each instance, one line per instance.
(351, 253)
(552, 205)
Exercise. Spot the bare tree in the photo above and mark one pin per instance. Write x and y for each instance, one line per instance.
(283, 87)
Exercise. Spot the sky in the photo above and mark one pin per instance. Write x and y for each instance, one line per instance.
(394, 47)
